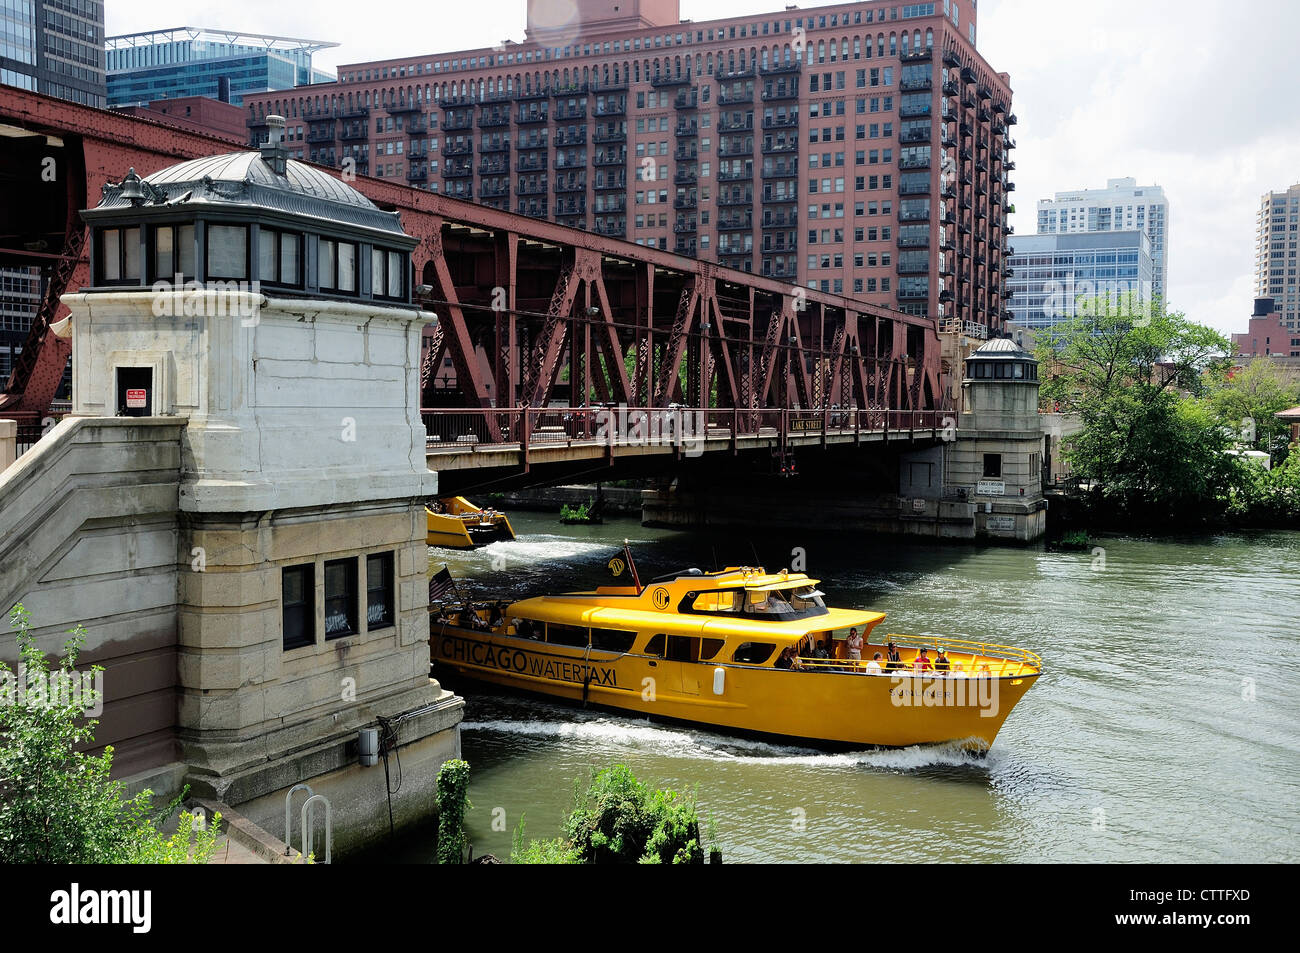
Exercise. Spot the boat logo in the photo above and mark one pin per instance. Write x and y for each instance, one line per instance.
(660, 598)
(617, 566)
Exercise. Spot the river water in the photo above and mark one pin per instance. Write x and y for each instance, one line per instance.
(1165, 728)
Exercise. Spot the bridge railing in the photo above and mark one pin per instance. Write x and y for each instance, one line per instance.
(461, 428)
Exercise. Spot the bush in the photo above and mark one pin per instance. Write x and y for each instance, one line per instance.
(57, 804)
(453, 802)
(620, 820)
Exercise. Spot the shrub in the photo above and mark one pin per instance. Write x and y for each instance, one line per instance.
(620, 820)
(453, 802)
(57, 804)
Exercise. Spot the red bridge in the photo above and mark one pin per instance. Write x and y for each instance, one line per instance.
(541, 330)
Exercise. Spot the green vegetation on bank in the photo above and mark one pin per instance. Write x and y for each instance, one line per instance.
(57, 803)
(1167, 419)
(620, 820)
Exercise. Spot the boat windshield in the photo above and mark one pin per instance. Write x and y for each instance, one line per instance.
(767, 602)
(806, 597)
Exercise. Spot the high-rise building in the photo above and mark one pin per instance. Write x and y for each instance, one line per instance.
(1052, 274)
(55, 47)
(1122, 206)
(1276, 233)
(861, 148)
(192, 61)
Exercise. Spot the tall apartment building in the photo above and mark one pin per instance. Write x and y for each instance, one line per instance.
(1122, 205)
(1277, 231)
(1051, 274)
(191, 61)
(55, 47)
(860, 148)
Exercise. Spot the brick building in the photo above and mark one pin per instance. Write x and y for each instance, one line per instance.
(859, 148)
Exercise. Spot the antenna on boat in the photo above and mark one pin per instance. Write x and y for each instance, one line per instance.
(754, 549)
(627, 554)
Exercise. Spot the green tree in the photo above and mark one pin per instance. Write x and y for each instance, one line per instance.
(57, 803)
(1248, 398)
(1132, 374)
(621, 820)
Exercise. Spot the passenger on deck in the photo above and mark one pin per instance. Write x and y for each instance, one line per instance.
(922, 662)
(941, 663)
(895, 661)
(821, 651)
(873, 667)
(854, 644)
(985, 670)
(785, 659)
(959, 669)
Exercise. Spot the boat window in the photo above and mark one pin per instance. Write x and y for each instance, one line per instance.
(766, 602)
(559, 634)
(683, 648)
(710, 648)
(806, 598)
(754, 653)
(612, 640)
(725, 600)
(656, 645)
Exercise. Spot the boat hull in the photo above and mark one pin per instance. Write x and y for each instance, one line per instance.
(837, 709)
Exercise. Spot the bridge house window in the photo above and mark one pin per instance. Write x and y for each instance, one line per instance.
(119, 256)
(340, 598)
(338, 266)
(279, 255)
(228, 252)
(993, 465)
(172, 252)
(298, 605)
(387, 274)
(379, 590)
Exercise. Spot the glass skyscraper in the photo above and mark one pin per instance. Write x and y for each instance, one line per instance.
(188, 61)
(1053, 274)
(55, 47)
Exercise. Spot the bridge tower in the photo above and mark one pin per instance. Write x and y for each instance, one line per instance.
(249, 334)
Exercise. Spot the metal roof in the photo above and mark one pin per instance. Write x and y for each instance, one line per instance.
(247, 179)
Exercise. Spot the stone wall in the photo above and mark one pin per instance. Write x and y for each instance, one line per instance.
(88, 536)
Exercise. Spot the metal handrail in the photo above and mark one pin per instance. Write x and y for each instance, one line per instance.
(306, 827)
(957, 651)
(288, 817)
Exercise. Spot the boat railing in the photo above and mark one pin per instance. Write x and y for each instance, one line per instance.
(1002, 660)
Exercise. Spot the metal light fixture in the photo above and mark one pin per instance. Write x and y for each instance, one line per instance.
(131, 190)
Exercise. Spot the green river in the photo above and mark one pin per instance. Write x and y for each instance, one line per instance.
(1165, 728)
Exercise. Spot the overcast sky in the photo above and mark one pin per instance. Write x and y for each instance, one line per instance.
(1187, 95)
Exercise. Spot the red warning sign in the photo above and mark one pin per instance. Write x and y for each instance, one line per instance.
(136, 397)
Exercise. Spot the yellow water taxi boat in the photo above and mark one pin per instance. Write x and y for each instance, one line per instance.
(457, 523)
(739, 650)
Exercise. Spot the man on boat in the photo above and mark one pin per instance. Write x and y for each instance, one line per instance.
(941, 663)
(854, 644)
